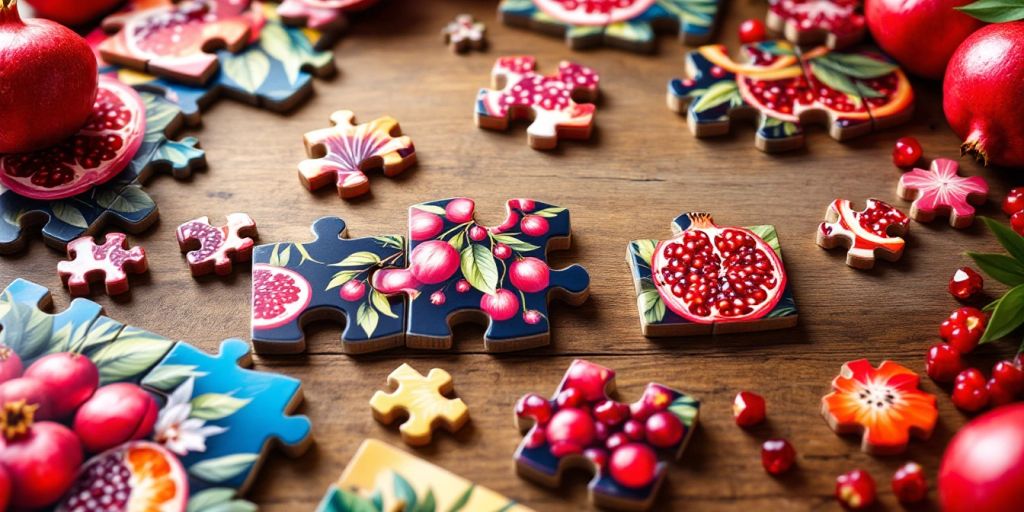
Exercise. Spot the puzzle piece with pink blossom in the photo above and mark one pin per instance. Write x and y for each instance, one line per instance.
(328, 16)
(835, 23)
(464, 33)
(423, 401)
(557, 106)
(874, 232)
(627, 471)
(341, 153)
(112, 262)
(941, 190)
(213, 249)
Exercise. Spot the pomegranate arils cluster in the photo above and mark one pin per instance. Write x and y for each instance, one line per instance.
(1013, 206)
(280, 289)
(108, 487)
(964, 328)
(855, 490)
(969, 391)
(943, 363)
(909, 484)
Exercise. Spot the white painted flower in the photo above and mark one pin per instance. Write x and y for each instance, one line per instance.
(175, 430)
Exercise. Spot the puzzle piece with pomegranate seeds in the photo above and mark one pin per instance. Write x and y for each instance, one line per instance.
(548, 101)
(875, 231)
(341, 153)
(627, 24)
(327, 16)
(422, 400)
(559, 436)
(328, 278)
(112, 260)
(214, 249)
(883, 405)
(748, 292)
(460, 271)
(941, 190)
(173, 40)
(835, 23)
(464, 34)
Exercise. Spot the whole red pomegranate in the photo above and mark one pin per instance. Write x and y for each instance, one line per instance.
(10, 365)
(74, 375)
(40, 458)
(73, 12)
(5, 488)
(116, 413)
(983, 467)
(920, 34)
(33, 392)
(982, 94)
(47, 81)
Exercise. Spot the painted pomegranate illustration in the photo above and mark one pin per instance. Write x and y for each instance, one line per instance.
(353, 290)
(10, 364)
(135, 476)
(73, 378)
(433, 262)
(424, 225)
(459, 210)
(529, 274)
(40, 458)
(279, 295)
(593, 12)
(501, 305)
(32, 392)
(115, 414)
(711, 274)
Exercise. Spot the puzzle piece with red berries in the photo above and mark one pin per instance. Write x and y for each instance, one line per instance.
(630, 463)
(214, 249)
(874, 232)
(834, 23)
(112, 262)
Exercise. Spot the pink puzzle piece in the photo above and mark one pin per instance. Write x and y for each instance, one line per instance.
(837, 23)
(941, 190)
(214, 249)
(113, 260)
(549, 101)
(324, 15)
(873, 231)
(342, 152)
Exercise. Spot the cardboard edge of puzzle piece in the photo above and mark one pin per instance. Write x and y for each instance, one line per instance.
(406, 382)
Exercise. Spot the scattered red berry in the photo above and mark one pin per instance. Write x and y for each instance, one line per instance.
(908, 483)
(1009, 375)
(907, 152)
(748, 408)
(963, 328)
(969, 391)
(966, 284)
(752, 31)
(997, 394)
(855, 490)
(1017, 223)
(943, 363)
(1014, 201)
(777, 456)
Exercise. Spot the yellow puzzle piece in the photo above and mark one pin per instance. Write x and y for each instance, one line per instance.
(423, 400)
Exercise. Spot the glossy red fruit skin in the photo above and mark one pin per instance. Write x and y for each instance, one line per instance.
(998, 395)
(72, 12)
(5, 488)
(1014, 201)
(74, 375)
(964, 328)
(534, 406)
(1017, 223)
(855, 490)
(906, 152)
(752, 31)
(966, 284)
(663, 429)
(1009, 375)
(969, 391)
(943, 363)
(569, 432)
(906, 30)
(748, 409)
(42, 463)
(10, 365)
(32, 391)
(981, 94)
(777, 456)
(909, 484)
(633, 465)
(116, 413)
(982, 469)
(48, 78)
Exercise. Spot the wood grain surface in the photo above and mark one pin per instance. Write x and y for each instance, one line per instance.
(639, 171)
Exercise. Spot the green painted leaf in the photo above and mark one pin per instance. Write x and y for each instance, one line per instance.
(717, 94)
(458, 240)
(167, 377)
(223, 468)
(205, 499)
(285, 256)
(857, 65)
(781, 312)
(514, 243)
(102, 332)
(339, 500)
(428, 504)
(393, 241)
(650, 304)
(68, 214)
(275, 40)
(179, 154)
(134, 352)
(463, 499)
(430, 208)
(341, 278)
(549, 212)
(833, 78)
(381, 303)
(215, 406)
(234, 506)
(27, 330)
(1007, 316)
(638, 31)
(68, 337)
(1000, 267)
(405, 493)
(479, 268)
(248, 69)
(129, 199)
(583, 31)
(770, 236)
(644, 250)
(1008, 238)
(367, 318)
(361, 259)
(995, 11)
(686, 408)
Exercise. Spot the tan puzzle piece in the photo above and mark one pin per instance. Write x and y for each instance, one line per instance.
(423, 400)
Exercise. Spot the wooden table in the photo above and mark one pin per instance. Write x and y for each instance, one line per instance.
(639, 171)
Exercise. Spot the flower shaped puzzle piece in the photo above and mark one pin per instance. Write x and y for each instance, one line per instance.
(628, 469)
(884, 405)
(464, 34)
(112, 260)
(341, 153)
(875, 231)
(214, 249)
(549, 102)
(836, 23)
(941, 190)
(423, 400)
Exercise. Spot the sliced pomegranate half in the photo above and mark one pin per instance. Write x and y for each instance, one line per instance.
(279, 295)
(711, 274)
(98, 152)
(593, 12)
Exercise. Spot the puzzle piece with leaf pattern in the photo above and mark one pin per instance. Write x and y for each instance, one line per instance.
(875, 231)
(835, 23)
(422, 400)
(112, 261)
(214, 249)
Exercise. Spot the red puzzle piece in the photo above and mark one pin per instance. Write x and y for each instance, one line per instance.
(873, 231)
(113, 260)
(213, 249)
(837, 23)
(941, 190)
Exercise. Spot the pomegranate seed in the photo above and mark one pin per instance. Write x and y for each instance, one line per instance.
(963, 328)
(752, 31)
(969, 391)
(943, 362)
(855, 490)
(777, 456)
(1009, 375)
(1017, 223)
(908, 483)
(634, 430)
(997, 394)
(966, 284)
(748, 408)
(1014, 201)
(610, 412)
(907, 152)
(570, 397)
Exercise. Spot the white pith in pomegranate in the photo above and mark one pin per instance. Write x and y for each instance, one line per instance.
(709, 274)
(593, 12)
(279, 295)
(875, 221)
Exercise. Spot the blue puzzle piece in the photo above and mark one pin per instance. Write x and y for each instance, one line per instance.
(327, 278)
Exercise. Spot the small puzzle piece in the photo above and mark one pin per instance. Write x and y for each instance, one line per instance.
(423, 400)
(323, 15)
(461, 271)
(381, 477)
(884, 405)
(875, 231)
(214, 249)
(626, 24)
(341, 153)
(293, 283)
(549, 102)
(113, 260)
(464, 34)
(748, 266)
(556, 437)
(835, 23)
(941, 190)
(172, 39)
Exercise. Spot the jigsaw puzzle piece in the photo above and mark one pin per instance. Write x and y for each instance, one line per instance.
(464, 33)
(834, 23)
(215, 249)
(422, 400)
(875, 231)
(112, 260)
(885, 90)
(839, 101)
(294, 283)
(498, 276)
(941, 190)
(326, 16)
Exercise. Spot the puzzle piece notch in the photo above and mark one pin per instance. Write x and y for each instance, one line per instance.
(941, 190)
(835, 23)
(464, 33)
(550, 447)
(875, 231)
(342, 152)
(214, 249)
(113, 260)
(550, 102)
(425, 402)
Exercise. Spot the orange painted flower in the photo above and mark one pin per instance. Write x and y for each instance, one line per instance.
(885, 405)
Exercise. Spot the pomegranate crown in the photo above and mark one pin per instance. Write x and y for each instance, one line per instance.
(16, 417)
(700, 219)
